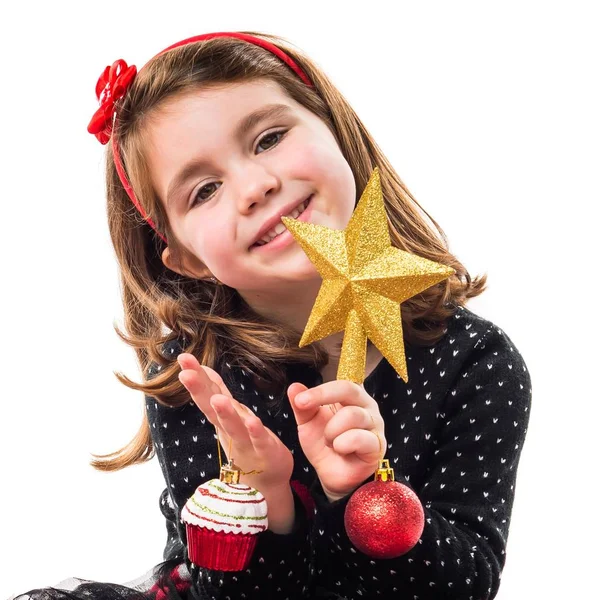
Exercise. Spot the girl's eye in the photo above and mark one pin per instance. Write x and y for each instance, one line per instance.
(204, 193)
(271, 135)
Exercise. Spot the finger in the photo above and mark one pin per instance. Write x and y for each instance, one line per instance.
(259, 435)
(363, 443)
(348, 417)
(189, 361)
(201, 390)
(230, 421)
(202, 382)
(217, 380)
(303, 414)
(340, 391)
(190, 365)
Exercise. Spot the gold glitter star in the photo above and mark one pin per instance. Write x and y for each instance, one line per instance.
(365, 279)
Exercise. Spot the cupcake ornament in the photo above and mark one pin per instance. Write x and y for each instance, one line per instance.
(223, 519)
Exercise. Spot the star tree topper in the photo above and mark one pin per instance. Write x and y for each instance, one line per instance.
(365, 279)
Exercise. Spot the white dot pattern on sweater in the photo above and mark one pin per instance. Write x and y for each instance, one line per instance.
(455, 433)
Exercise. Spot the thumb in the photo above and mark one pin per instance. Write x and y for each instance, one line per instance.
(302, 415)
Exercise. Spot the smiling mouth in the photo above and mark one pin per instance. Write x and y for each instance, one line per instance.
(280, 228)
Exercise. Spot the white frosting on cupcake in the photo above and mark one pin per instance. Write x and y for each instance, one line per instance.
(226, 507)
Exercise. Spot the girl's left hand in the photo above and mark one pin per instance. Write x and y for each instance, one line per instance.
(345, 447)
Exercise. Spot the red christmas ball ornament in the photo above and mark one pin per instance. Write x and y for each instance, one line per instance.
(384, 518)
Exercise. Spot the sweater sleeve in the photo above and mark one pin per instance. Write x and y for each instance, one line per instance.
(174, 546)
(467, 495)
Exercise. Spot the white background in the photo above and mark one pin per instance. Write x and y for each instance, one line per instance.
(489, 113)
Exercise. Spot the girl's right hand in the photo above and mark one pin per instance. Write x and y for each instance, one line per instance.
(253, 446)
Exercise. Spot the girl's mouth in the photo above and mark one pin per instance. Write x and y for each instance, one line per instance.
(285, 237)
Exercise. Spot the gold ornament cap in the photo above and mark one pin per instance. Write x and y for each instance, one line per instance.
(384, 471)
(230, 473)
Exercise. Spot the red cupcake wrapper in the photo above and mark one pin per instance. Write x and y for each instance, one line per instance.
(218, 550)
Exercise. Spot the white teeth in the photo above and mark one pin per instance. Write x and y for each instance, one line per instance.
(280, 227)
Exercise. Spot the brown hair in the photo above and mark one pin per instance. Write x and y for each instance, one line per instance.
(212, 321)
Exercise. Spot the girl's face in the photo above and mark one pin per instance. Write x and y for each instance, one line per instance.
(226, 161)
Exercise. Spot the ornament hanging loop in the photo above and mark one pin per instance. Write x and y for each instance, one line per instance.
(384, 471)
(381, 449)
(230, 472)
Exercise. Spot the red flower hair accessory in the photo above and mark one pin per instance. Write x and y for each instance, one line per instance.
(112, 85)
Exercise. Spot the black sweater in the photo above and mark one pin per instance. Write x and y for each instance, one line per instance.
(455, 433)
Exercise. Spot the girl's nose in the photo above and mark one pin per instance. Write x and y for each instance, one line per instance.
(255, 187)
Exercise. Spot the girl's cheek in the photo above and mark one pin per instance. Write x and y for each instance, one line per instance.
(314, 159)
(218, 245)
(213, 244)
(300, 165)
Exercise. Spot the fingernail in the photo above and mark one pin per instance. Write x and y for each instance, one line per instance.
(302, 399)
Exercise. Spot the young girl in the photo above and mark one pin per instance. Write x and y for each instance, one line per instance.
(211, 142)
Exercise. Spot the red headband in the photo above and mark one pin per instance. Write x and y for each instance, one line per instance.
(115, 81)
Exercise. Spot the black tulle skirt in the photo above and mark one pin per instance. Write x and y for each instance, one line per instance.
(169, 580)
